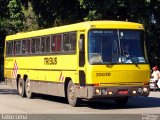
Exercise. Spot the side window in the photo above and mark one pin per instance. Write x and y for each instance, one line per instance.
(17, 47)
(69, 42)
(26, 46)
(9, 46)
(14, 48)
(56, 43)
(33, 45)
(66, 43)
(53, 43)
(45, 46)
(37, 42)
(72, 37)
(48, 44)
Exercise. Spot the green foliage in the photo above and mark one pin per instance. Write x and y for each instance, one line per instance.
(30, 18)
(56, 12)
(113, 9)
(16, 16)
(3, 13)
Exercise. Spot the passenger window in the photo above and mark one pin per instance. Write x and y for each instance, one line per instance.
(28, 42)
(45, 46)
(33, 45)
(26, 46)
(37, 42)
(66, 42)
(69, 42)
(53, 43)
(9, 47)
(17, 47)
(72, 37)
(58, 43)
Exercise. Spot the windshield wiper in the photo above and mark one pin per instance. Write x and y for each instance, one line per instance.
(132, 60)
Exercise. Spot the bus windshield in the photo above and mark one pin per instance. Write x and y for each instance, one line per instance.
(116, 46)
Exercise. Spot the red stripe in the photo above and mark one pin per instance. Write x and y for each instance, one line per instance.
(15, 69)
(61, 78)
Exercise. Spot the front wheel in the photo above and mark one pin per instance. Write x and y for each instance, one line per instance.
(71, 95)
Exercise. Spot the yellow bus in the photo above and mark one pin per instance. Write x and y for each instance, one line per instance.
(87, 60)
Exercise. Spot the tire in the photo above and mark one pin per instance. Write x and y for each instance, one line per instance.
(29, 93)
(120, 102)
(21, 87)
(71, 96)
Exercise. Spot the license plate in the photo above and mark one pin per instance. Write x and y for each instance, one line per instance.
(123, 92)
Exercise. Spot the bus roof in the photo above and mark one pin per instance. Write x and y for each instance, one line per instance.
(77, 27)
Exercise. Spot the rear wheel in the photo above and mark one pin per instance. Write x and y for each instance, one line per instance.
(71, 95)
(121, 101)
(29, 93)
(21, 87)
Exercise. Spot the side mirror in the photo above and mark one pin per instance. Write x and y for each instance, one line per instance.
(81, 45)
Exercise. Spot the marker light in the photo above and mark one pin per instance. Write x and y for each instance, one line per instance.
(103, 91)
(110, 93)
(97, 91)
(145, 89)
(134, 92)
(96, 84)
(140, 90)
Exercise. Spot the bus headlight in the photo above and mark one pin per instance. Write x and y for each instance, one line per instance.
(140, 90)
(97, 91)
(145, 90)
(103, 91)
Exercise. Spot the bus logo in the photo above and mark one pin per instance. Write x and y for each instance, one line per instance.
(50, 61)
(103, 74)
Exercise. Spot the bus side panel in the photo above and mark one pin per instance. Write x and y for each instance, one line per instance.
(47, 73)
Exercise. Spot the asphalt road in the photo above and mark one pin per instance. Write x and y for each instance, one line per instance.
(12, 105)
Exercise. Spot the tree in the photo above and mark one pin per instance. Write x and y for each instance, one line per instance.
(30, 18)
(15, 22)
(56, 12)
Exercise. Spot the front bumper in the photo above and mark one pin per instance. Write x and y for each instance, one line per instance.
(117, 91)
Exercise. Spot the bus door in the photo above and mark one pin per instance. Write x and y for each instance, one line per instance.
(81, 67)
